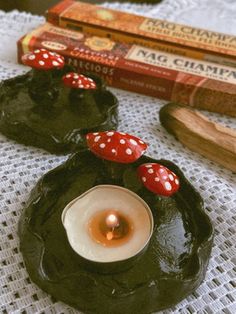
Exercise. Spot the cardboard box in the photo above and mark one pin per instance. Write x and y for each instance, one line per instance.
(139, 69)
(153, 33)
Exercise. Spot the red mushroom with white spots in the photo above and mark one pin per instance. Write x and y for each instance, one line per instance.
(42, 59)
(78, 81)
(158, 179)
(116, 146)
(81, 95)
(43, 62)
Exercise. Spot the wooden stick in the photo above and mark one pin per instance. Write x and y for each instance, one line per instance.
(198, 133)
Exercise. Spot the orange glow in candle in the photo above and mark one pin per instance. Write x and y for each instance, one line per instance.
(110, 228)
(108, 223)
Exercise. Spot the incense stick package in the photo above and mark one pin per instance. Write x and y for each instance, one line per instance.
(143, 70)
(153, 33)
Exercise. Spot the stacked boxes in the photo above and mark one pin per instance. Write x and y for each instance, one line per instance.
(153, 33)
(125, 64)
(139, 69)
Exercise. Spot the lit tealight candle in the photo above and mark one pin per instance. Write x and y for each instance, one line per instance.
(108, 224)
(110, 228)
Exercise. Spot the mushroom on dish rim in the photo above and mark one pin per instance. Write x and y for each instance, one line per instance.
(158, 179)
(116, 146)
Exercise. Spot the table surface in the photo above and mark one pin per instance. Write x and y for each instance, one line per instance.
(21, 167)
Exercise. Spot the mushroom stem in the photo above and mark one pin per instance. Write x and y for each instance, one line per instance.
(114, 169)
(41, 87)
(85, 102)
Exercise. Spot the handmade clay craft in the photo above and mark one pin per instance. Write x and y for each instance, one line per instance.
(175, 260)
(52, 108)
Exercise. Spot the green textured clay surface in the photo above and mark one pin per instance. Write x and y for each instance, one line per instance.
(58, 126)
(172, 267)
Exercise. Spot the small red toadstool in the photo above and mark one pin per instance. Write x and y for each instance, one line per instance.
(158, 179)
(116, 146)
(42, 59)
(42, 88)
(80, 92)
(75, 80)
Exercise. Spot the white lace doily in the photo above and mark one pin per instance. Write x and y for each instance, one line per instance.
(21, 167)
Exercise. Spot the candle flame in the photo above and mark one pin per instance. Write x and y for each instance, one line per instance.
(112, 221)
(110, 227)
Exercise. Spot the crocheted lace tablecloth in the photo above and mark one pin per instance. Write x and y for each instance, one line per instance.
(21, 167)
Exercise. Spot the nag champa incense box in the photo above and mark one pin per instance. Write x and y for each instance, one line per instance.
(139, 69)
(153, 33)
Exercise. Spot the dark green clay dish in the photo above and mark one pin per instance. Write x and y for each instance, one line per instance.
(171, 268)
(55, 122)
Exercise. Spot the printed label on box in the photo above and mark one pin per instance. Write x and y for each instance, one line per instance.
(196, 67)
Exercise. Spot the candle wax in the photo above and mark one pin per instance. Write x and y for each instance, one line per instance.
(107, 223)
(110, 228)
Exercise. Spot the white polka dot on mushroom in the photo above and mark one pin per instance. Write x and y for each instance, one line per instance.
(122, 141)
(97, 138)
(95, 133)
(45, 55)
(32, 57)
(41, 62)
(128, 151)
(157, 179)
(133, 142)
(171, 177)
(150, 171)
(113, 151)
(102, 145)
(55, 63)
(144, 179)
(168, 186)
(176, 181)
(109, 140)
(148, 166)
(110, 133)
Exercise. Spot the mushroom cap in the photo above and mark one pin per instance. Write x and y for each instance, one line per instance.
(75, 80)
(158, 179)
(116, 146)
(43, 59)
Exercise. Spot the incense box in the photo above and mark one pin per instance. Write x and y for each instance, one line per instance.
(153, 33)
(139, 69)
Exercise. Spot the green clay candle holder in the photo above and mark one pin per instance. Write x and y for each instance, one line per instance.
(174, 262)
(40, 109)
